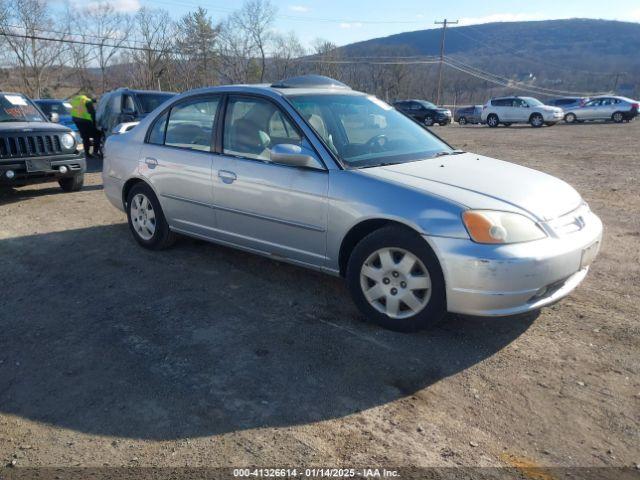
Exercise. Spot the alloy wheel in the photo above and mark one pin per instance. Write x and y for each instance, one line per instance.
(395, 282)
(143, 216)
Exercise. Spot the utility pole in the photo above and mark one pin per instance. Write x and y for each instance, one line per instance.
(444, 29)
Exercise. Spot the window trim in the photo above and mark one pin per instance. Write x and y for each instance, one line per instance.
(186, 100)
(284, 112)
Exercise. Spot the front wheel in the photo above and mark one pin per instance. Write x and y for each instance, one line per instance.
(146, 219)
(462, 121)
(428, 121)
(493, 121)
(570, 118)
(72, 184)
(396, 281)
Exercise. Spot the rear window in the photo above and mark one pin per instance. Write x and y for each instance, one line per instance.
(150, 101)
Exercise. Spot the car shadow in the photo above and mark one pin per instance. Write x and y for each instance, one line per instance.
(10, 195)
(103, 337)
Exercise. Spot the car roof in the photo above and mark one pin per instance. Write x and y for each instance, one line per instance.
(50, 100)
(270, 90)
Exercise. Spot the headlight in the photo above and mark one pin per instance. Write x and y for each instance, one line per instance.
(488, 226)
(67, 141)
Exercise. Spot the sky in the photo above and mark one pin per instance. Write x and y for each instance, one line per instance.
(343, 22)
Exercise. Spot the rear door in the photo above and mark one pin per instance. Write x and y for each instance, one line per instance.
(178, 158)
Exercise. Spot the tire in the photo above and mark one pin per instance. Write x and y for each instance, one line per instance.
(462, 121)
(507, 124)
(617, 117)
(428, 121)
(404, 246)
(536, 120)
(493, 121)
(151, 232)
(570, 118)
(72, 184)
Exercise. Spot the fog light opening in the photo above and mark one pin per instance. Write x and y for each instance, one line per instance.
(63, 169)
(10, 174)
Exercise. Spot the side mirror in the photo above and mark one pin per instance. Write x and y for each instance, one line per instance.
(294, 155)
(54, 117)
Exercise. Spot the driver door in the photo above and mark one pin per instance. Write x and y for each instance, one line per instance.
(261, 205)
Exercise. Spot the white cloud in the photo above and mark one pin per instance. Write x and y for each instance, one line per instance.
(347, 25)
(502, 17)
(299, 8)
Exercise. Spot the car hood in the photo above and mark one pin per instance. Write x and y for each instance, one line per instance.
(482, 182)
(21, 127)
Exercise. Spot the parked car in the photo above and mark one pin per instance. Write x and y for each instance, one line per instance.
(34, 149)
(510, 110)
(472, 114)
(424, 112)
(61, 108)
(617, 109)
(124, 105)
(568, 102)
(299, 172)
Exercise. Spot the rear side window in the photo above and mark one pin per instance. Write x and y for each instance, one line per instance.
(191, 124)
(502, 102)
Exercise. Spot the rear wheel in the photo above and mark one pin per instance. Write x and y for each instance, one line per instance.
(493, 121)
(617, 117)
(72, 184)
(146, 219)
(536, 120)
(396, 281)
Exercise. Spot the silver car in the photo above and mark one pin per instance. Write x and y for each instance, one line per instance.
(617, 109)
(311, 172)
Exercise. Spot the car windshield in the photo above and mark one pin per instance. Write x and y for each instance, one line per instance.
(365, 132)
(18, 108)
(532, 102)
(150, 101)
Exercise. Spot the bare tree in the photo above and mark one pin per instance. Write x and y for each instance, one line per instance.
(35, 58)
(155, 29)
(107, 28)
(286, 49)
(255, 20)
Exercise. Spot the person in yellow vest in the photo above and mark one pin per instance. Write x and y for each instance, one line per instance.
(83, 114)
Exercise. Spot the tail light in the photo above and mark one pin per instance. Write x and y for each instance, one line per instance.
(635, 106)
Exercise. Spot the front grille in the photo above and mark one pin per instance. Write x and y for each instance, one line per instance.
(571, 222)
(34, 145)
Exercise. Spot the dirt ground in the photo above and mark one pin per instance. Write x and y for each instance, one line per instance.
(205, 356)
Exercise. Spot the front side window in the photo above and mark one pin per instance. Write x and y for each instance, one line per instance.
(191, 124)
(363, 131)
(18, 108)
(253, 126)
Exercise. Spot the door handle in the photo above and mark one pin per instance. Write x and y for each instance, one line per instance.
(227, 176)
(152, 162)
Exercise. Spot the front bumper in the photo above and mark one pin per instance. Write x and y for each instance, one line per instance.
(553, 116)
(48, 168)
(497, 280)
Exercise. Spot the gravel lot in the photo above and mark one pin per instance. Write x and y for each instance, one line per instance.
(204, 356)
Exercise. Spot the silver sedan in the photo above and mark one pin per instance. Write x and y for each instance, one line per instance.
(311, 172)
